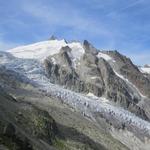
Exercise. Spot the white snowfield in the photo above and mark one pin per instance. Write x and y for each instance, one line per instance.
(104, 56)
(87, 105)
(145, 70)
(44, 49)
(38, 50)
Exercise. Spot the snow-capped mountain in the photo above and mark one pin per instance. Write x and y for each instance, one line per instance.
(99, 85)
(44, 49)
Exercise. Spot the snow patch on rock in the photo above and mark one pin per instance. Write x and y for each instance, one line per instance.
(104, 56)
(129, 83)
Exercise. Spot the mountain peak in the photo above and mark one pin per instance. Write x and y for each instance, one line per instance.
(89, 48)
(53, 37)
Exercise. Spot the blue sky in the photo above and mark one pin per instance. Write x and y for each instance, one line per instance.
(122, 25)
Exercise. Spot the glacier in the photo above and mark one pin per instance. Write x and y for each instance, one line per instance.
(87, 105)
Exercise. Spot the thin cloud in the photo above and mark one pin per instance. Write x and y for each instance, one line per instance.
(66, 16)
(127, 6)
(140, 58)
(132, 5)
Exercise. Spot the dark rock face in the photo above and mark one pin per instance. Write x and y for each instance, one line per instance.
(41, 124)
(12, 140)
(62, 72)
(116, 89)
(78, 80)
(97, 76)
(23, 126)
(125, 66)
(148, 76)
(89, 48)
(9, 130)
(53, 37)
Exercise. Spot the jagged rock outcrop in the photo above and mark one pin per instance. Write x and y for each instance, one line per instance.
(125, 66)
(89, 48)
(96, 75)
(53, 37)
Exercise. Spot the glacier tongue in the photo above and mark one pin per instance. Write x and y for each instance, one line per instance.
(104, 56)
(88, 106)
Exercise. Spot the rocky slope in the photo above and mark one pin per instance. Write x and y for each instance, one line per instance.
(23, 126)
(100, 73)
(106, 90)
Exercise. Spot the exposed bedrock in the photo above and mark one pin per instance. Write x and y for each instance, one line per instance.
(125, 66)
(93, 75)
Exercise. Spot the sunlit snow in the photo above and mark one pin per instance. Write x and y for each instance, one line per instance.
(104, 56)
(145, 70)
(44, 49)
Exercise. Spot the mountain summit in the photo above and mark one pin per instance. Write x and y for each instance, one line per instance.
(53, 37)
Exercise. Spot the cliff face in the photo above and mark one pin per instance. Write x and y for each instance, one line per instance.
(108, 74)
(125, 66)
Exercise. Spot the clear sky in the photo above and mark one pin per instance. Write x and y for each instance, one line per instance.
(122, 25)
